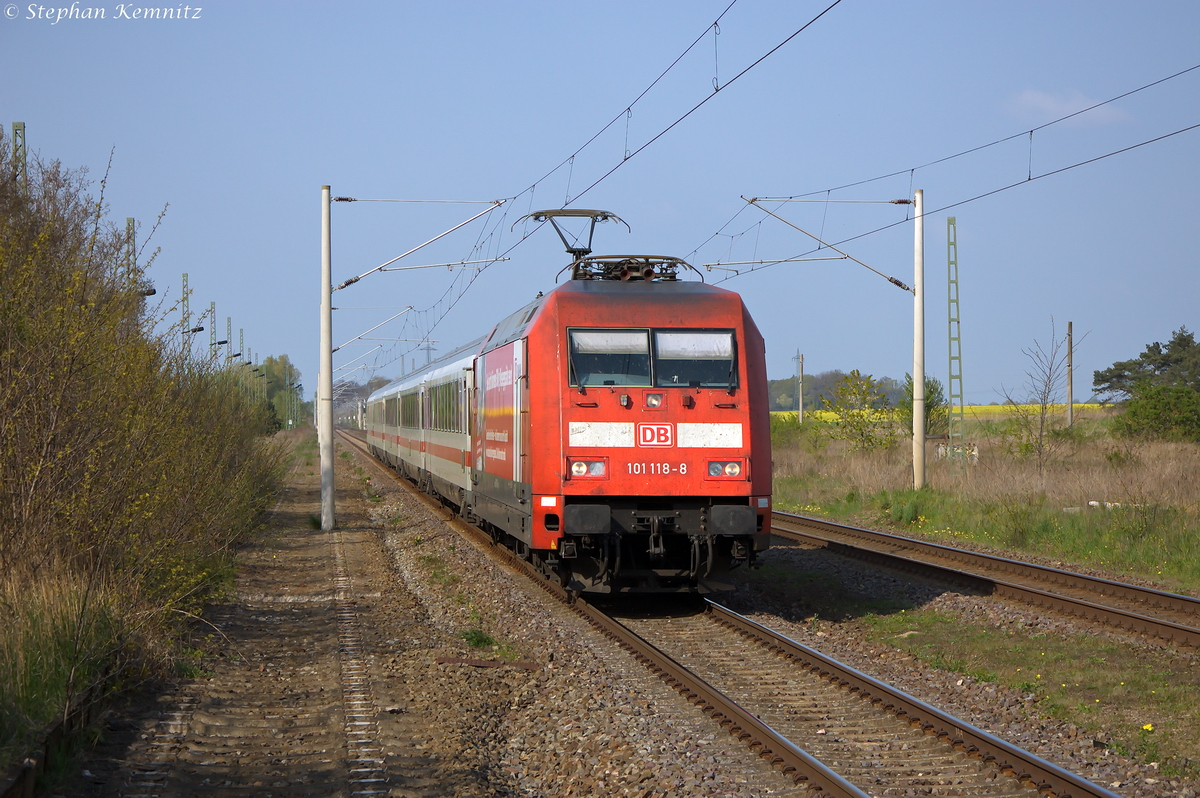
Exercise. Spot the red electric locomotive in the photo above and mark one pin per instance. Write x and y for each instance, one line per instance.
(615, 430)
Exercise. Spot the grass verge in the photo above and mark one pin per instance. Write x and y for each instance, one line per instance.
(1144, 699)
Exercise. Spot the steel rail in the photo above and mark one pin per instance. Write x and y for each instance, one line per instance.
(952, 563)
(1010, 759)
(770, 745)
(794, 762)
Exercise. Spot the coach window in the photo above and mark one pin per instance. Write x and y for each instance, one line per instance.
(410, 410)
(610, 357)
(700, 359)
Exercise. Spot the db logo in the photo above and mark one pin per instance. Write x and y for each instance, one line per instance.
(655, 435)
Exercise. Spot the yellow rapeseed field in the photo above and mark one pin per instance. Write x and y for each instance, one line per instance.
(982, 412)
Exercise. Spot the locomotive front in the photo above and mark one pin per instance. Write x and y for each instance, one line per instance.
(653, 469)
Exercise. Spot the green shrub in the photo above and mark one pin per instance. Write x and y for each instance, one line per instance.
(1171, 412)
(131, 468)
(863, 417)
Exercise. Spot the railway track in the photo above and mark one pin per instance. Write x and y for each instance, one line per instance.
(885, 742)
(1169, 616)
(782, 699)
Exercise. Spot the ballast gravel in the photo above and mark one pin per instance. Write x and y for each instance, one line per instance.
(579, 716)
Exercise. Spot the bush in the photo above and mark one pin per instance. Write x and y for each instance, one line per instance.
(786, 430)
(1171, 412)
(937, 409)
(863, 418)
(130, 469)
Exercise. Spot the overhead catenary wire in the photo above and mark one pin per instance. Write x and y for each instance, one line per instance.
(360, 357)
(626, 112)
(912, 169)
(995, 143)
(450, 265)
(494, 203)
(376, 327)
(704, 101)
(984, 195)
(725, 265)
(831, 202)
(626, 109)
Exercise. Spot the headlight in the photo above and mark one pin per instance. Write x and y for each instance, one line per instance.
(654, 400)
(725, 469)
(595, 469)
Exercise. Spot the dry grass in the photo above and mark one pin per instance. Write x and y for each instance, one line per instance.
(60, 636)
(1091, 497)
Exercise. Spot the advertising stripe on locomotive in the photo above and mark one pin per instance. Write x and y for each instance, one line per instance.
(623, 435)
(501, 370)
(616, 434)
(709, 436)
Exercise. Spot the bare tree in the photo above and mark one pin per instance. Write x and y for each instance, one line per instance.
(1045, 379)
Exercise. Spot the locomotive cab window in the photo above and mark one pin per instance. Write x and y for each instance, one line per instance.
(696, 358)
(678, 358)
(610, 357)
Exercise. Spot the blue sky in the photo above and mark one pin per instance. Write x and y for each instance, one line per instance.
(236, 120)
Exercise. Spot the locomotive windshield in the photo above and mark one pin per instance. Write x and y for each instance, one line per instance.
(700, 359)
(610, 357)
(679, 358)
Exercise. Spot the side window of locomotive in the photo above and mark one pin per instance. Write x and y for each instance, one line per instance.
(610, 357)
(701, 359)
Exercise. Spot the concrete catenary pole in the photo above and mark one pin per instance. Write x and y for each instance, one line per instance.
(918, 439)
(799, 387)
(325, 381)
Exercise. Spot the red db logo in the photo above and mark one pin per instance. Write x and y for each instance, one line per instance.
(655, 435)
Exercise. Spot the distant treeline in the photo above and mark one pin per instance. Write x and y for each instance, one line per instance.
(819, 386)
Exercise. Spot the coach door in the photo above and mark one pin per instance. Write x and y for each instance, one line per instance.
(422, 457)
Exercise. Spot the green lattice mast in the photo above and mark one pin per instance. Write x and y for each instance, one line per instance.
(954, 388)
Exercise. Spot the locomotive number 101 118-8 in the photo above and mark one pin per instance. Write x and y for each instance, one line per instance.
(656, 468)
